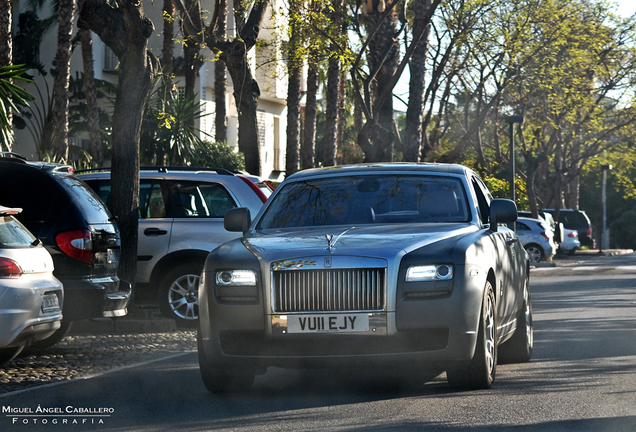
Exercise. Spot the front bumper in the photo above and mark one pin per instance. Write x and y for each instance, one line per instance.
(431, 331)
(95, 298)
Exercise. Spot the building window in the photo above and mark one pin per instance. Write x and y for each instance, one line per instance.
(111, 62)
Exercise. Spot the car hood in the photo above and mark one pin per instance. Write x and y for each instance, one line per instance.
(371, 241)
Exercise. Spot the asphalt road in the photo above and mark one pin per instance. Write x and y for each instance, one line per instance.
(582, 378)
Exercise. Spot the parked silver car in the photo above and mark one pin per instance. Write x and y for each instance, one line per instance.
(402, 266)
(31, 298)
(180, 221)
(571, 242)
(537, 238)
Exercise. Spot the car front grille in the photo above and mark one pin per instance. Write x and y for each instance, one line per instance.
(329, 290)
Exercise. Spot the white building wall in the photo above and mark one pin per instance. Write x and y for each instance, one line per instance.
(271, 81)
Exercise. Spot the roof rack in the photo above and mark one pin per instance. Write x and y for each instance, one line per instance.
(165, 169)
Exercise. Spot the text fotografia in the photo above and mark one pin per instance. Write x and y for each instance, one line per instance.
(68, 415)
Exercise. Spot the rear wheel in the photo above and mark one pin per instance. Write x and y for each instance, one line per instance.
(535, 253)
(479, 372)
(518, 349)
(178, 295)
(222, 378)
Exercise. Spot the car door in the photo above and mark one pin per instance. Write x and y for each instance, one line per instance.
(155, 226)
(198, 208)
(508, 249)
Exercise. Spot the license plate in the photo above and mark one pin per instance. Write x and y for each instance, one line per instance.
(50, 303)
(336, 323)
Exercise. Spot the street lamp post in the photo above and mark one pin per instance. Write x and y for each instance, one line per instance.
(511, 120)
(605, 233)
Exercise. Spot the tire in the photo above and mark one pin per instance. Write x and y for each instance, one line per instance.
(178, 295)
(479, 372)
(59, 334)
(518, 349)
(222, 378)
(535, 253)
(7, 354)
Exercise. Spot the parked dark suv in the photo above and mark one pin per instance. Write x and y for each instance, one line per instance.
(77, 230)
(576, 220)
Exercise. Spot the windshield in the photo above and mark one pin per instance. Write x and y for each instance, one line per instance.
(358, 200)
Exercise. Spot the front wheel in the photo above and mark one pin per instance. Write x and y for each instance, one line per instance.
(479, 372)
(222, 378)
(178, 294)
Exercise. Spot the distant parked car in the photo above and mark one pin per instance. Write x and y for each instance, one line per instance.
(557, 228)
(579, 221)
(181, 221)
(536, 237)
(31, 298)
(570, 242)
(78, 231)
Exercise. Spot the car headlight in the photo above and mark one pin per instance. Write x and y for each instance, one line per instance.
(429, 273)
(236, 278)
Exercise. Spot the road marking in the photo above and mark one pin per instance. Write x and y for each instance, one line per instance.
(584, 268)
(95, 375)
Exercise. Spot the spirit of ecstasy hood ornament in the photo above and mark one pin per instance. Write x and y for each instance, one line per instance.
(331, 243)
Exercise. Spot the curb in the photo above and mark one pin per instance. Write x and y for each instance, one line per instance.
(124, 325)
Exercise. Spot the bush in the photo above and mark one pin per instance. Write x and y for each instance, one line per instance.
(218, 155)
(623, 231)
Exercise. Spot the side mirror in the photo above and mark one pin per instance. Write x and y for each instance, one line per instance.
(502, 210)
(237, 220)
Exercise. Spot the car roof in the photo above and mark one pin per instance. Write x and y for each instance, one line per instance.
(18, 160)
(378, 168)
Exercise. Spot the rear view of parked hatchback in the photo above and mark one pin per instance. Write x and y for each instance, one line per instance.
(31, 298)
(77, 230)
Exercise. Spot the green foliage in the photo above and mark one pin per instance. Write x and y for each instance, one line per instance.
(623, 231)
(10, 97)
(168, 132)
(218, 155)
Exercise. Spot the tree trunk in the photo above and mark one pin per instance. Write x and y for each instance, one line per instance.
(191, 54)
(90, 90)
(294, 65)
(383, 63)
(61, 80)
(6, 47)
(417, 67)
(220, 78)
(307, 150)
(126, 31)
(246, 94)
(167, 49)
(331, 99)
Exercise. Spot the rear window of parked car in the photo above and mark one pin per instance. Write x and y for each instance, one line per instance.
(13, 234)
(367, 199)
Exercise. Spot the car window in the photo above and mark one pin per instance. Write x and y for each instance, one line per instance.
(483, 200)
(13, 234)
(199, 200)
(41, 199)
(520, 226)
(152, 202)
(84, 197)
(390, 199)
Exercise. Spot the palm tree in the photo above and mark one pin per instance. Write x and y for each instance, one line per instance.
(10, 96)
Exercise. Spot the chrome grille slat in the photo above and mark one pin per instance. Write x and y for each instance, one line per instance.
(331, 290)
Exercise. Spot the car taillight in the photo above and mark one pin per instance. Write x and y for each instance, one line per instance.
(76, 244)
(573, 234)
(9, 269)
(589, 232)
(255, 188)
(543, 233)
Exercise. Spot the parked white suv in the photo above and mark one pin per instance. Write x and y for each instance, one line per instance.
(181, 212)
